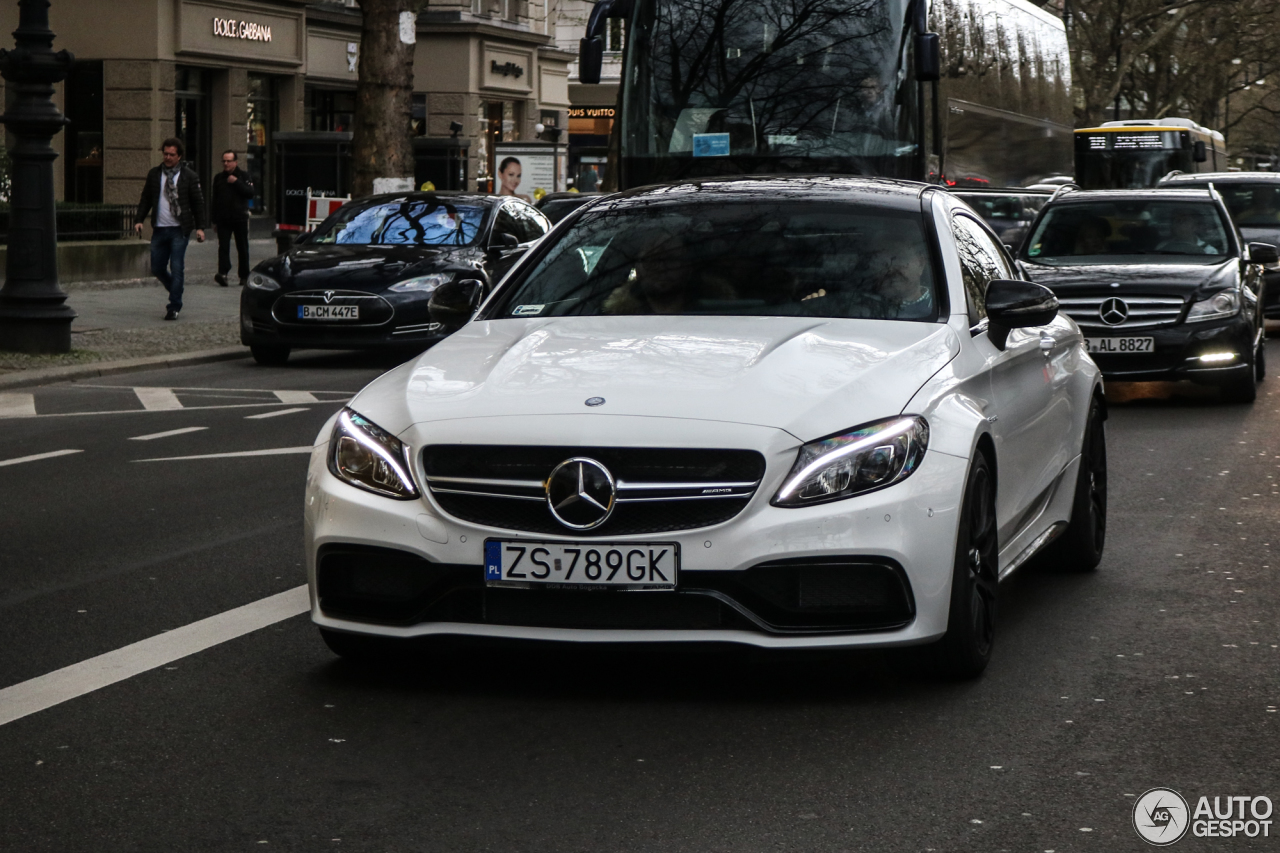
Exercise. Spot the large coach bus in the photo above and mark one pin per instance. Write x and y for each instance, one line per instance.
(960, 92)
(1139, 152)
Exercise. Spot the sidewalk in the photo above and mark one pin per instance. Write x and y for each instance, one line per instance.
(119, 320)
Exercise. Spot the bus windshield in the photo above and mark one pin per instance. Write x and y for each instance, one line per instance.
(775, 85)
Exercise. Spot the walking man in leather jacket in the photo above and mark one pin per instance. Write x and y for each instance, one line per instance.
(231, 192)
(171, 195)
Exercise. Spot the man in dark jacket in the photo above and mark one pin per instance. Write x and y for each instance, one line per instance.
(231, 193)
(171, 196)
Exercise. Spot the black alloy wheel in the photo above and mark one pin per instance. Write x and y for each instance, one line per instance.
(1079, 548)
(964, 651)
(272, 356)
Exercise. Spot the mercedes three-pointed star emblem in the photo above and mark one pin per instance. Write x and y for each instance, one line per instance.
(1113, 311)
(581, 493)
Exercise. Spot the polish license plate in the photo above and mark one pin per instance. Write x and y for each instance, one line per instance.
(328, 312)
(1120, 345)
(579, 565)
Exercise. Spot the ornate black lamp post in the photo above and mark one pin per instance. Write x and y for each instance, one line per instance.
(33, 316)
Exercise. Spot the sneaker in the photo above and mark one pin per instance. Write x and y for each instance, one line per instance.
(171, 314)
(220, 279)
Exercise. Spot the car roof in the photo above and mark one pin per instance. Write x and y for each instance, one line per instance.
(568, 196)
(444, 195)
(1199, 178)
(879, 192)
(1162, 193)
(1000, 191)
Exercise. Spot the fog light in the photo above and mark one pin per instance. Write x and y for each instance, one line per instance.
(1218, 357)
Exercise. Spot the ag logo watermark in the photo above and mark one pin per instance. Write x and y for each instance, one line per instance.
(1162, 817)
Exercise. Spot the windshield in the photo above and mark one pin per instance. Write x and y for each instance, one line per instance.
(429, 222)
(1128, 170)
(1096, 232)
(765, 81)
(782, 258)
(1252, 205)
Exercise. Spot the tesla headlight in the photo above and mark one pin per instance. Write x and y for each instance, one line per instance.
(861, 460)
(423, 284)
(1224, 303)
(259, 281)
(368, 457)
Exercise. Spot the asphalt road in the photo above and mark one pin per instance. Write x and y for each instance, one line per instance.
(1158, 670)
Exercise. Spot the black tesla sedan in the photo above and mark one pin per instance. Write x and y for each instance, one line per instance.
(363, 278)
(1159, 281)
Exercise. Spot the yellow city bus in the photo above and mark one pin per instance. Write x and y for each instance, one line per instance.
(1139, 152)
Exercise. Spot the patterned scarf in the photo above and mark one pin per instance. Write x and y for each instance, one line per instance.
(169, 179)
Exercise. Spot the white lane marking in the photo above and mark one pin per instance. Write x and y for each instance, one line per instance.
(202, 388)
(17, 405)
(274, 451)
(274, 414)
(166, 433)
(37, 457)
(76, 680)
(184, 408)
(157, 399)
(295, 396)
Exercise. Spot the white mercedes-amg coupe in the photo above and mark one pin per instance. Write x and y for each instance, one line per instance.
(787, 412)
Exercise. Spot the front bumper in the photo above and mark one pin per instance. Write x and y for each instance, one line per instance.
(410, 326)
(431, 580)
(1177, 351)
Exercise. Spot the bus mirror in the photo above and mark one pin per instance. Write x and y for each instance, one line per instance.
(1198, 152)
(928, 58)
(590, 59)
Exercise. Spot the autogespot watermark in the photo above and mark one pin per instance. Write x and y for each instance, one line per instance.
(1162, 817)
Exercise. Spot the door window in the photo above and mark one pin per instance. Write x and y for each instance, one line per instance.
(506, 223)
(981, 262)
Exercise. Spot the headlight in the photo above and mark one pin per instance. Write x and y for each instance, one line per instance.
(1224, 303)
(422, 284)
(258, 281)
(368, 457)
(858, 461)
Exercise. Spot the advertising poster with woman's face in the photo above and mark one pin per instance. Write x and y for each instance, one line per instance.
(510, 177)
(525, 172)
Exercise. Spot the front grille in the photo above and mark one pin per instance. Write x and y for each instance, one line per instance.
(658, 489)
(1144, 312)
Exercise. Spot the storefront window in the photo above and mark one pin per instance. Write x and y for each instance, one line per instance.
(262, 121)
(83, 160)
(418, 119)
(192, 119)
(498, 124)
(330, 109)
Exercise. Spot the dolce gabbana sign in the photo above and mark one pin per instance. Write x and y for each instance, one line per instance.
(242, 31)
(234, 29)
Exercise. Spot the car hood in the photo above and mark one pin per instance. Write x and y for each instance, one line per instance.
(367, 268)
(1168, 278)
(810, 377)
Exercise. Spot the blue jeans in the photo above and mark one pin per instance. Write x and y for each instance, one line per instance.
(168, 261)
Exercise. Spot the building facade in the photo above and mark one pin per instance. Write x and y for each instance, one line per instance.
(231, 74)
(592, 107)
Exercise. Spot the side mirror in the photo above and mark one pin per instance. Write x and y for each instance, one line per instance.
(590, 59)
(1017, 305)
(1263, 253)
(502, 240)
(928, 58)
(453, 303)
(1198, 152)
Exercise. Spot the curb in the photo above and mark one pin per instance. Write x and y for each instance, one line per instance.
(20, 379)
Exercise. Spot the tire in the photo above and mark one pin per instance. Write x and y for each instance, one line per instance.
(1243, 390)
(1079, 549)
(1260, 360)
(965, 650)
(269, 355)
(358, 647)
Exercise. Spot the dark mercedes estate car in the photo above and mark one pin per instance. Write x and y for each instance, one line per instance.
(364, 277)
(1159, 281)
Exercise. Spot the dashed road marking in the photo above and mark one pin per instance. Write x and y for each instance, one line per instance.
(295, 396)
(17, 405)
(276, 413)
(76, 680)
(37, 457)
(274, 451)
(157, 399)
(166, 433)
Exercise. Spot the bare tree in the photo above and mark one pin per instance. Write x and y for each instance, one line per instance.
(381, 151)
